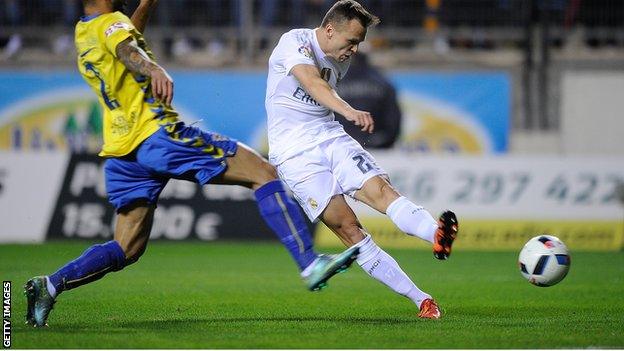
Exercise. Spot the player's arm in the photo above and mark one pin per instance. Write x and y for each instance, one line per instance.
(323, 93)
(142, 13)
(137, 61)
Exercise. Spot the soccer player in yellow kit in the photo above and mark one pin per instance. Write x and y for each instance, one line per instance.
(145, 145)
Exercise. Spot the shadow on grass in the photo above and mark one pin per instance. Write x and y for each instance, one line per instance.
(153, 324)
(177, 324)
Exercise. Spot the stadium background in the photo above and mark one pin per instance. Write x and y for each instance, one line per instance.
(512, 116)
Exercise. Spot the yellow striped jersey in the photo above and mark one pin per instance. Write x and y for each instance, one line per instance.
(131, 113)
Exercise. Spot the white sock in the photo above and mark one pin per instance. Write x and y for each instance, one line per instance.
(381, 266)
(413, 220)
(51, 288)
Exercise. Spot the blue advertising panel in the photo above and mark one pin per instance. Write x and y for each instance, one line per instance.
(459, 112)
(466, 112)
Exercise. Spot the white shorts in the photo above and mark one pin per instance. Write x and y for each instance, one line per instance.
(336, 166)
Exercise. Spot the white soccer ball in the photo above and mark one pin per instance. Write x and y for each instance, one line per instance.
(544, 260)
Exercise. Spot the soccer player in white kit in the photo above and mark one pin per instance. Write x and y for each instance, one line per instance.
(321, 163)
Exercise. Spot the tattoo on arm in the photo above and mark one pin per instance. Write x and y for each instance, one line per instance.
(134, 58)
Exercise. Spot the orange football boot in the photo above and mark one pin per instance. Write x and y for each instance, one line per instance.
(445, 235)
(429, 309)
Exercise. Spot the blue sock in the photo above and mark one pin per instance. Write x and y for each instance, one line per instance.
(92, 265)
(283, 216)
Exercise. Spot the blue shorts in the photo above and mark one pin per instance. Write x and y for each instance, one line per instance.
(174, 151)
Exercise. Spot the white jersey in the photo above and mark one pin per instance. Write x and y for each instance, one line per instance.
(296, 122)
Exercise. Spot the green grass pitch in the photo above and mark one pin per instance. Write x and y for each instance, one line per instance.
(248, 295)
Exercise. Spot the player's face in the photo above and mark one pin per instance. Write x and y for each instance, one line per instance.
(344, 39)
(119, 5)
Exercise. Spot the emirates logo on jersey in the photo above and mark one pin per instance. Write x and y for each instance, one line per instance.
(305, 51)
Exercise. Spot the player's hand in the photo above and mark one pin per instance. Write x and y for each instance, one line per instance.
(362, 119)
(162, 86)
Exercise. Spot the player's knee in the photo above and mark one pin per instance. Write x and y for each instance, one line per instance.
(387, 194)
(380, 194)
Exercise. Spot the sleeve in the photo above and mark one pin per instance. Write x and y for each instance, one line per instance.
(295, 52)
(116, 29)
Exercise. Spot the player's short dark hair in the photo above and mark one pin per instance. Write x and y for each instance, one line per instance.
(346, 10)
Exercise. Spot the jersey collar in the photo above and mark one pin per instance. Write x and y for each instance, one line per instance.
(88, 18)
(316, 44)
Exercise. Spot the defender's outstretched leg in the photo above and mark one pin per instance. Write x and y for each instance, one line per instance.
(283, 216)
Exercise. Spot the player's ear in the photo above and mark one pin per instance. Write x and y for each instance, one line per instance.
(329, 30)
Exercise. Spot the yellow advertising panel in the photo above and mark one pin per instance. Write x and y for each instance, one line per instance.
(496, 234)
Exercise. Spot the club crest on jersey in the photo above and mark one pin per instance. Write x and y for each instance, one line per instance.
(305, 51)
(115, 27)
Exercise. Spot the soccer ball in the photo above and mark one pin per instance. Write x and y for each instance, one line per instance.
(544, 260)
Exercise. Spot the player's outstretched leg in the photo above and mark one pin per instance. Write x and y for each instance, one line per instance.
(284, 217)
(417, 221)
(131, 235)
(412, 219)
(326, 266)
(93, 264)
(382, 267)
(409, 217)
(340, 218)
